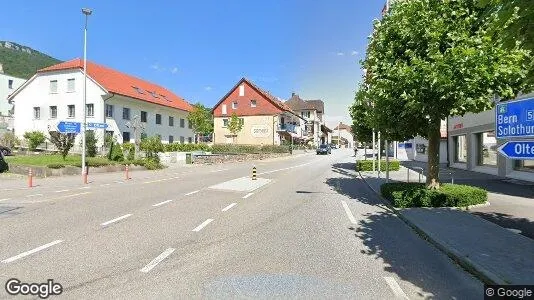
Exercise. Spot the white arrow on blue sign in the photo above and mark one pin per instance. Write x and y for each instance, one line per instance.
(518, 150)
(97, 125)
(69, 127)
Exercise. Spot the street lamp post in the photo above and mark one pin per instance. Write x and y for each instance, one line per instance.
(87, 12)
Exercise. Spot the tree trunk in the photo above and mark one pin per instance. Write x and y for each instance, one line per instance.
(434, 136)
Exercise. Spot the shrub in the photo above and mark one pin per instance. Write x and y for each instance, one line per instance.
(367, 165)
(417, 195)
(34, 138)
(62, 141)
(233, 148)
(116, 153)
(152, 164)
(55, 166)
(177, 147)
(90, 143)
(129, 150)
(152, 146)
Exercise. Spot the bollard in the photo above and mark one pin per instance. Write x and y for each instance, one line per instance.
(254, 173)
(30, 178)
(127, 175)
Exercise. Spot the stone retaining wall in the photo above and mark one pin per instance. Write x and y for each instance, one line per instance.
(225, 158)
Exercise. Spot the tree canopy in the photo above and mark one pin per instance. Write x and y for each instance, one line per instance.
(430, 59)
(201, 119)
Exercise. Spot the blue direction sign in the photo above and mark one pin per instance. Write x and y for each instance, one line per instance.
(69, 127)
(97, 125)
(518, 150)
(514, 119)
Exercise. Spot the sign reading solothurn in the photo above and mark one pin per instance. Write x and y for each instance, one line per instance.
(69, 127)
(514, 119)
(518, 150)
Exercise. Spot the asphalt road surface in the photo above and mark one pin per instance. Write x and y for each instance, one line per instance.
(307, 228)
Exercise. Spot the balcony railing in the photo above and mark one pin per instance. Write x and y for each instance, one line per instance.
(287, 127)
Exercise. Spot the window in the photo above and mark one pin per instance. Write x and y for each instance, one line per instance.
(70, 85)
(158, 119)
(190, 140)
(189, 124)
(487, 148)
(225, 122)
(53, 112)
(126, 137)
(125, 113)
(242, 90)
(460, 149)
(171, 121)
(182, 123)
(143, 116)
(90, 110)
(36, 113)
(10, 84)
(109, 111)
(253, 103)
(71, 111)
(139, 90)
(242, 121)
(182, 140)
(171, 139)
(224, 109)
(53, 86)
(234, 105)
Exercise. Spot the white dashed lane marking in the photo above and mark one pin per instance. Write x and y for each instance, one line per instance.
(204, 224)
(116, 220)
(30, 252)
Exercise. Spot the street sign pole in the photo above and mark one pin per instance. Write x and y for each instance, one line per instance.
(86, 12)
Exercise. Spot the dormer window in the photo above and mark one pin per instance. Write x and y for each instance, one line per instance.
(138, 89)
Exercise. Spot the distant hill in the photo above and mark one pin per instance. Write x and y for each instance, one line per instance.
(21, 61)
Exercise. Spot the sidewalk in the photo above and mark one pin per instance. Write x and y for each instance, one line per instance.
(495, 254)
(512, 201)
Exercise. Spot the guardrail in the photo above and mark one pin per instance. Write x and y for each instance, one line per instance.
(448, 172)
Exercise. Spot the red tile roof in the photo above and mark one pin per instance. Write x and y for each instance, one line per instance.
(274, 100)
(120, 83)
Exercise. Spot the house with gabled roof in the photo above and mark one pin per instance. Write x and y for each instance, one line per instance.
(312, 112)
(55, 94)
(266, 119)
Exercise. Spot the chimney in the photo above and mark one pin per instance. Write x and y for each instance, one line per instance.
(1, 69)
(293, 94)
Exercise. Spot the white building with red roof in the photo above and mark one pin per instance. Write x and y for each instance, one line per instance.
(55, 94)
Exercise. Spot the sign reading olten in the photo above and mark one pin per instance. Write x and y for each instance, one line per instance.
(260, 131)
(514, 119)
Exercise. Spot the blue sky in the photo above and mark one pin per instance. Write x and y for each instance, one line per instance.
(200, 48)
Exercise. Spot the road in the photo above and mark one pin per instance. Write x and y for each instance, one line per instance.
(307, 228)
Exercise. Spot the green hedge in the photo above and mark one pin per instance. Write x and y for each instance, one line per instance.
(402, 194)
(55, 166)
(367, 165)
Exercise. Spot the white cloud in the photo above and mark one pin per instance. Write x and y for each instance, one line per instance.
(208, 88)
(354, 52)
(333, 120)
(174, 70)
(155, 66)
(340, 54)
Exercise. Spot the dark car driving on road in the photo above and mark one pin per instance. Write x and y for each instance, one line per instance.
(3, 163)
(324, 149)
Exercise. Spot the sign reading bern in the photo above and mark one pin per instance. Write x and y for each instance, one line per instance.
(259, 131)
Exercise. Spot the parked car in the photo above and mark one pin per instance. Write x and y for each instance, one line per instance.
(5, 150)
(4, 167)
(324, 149)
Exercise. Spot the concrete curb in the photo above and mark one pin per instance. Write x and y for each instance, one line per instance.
(477, 270)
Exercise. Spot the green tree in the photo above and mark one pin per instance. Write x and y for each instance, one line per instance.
(201, 120)
(90, 143)
(235, 124)
(430, 59)
(62, 141)
(360, 112)
(515, 23)
(152, 146)
(34, 139)
(10, 140)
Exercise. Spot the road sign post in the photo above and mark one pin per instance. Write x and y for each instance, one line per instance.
(517, 150)
(69, 127)
(514, 119)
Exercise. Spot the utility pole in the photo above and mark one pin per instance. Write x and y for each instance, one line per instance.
(87, 12)
(374, 153)
(379, 153)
